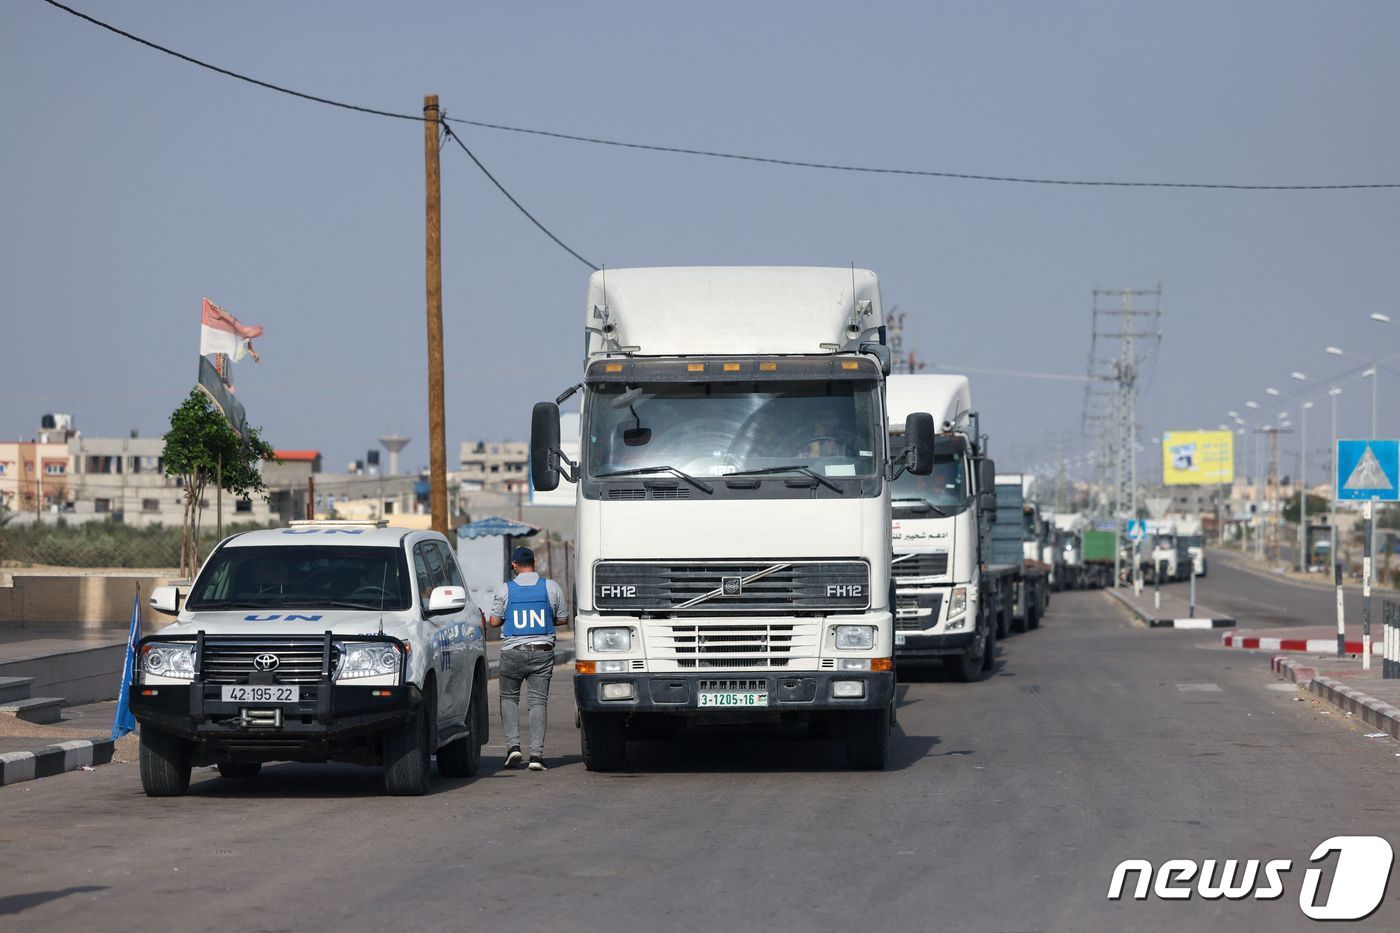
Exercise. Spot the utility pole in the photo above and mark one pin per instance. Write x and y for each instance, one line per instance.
(437, 418)
(311, 498)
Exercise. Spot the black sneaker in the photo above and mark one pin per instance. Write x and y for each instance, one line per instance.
(513, 757)
(537, 763)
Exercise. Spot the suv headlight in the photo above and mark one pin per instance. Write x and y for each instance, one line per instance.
(855, 637)
(371, 660)
(610, 639)
(173, 660)
(958, 603)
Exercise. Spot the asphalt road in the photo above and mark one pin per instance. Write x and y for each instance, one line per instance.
(1255, 598)
(1007, 806)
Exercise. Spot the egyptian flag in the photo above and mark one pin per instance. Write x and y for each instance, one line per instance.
(221, 332)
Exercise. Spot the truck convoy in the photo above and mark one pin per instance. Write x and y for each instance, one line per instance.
(954, 594)
(733, 505)
(322, 641)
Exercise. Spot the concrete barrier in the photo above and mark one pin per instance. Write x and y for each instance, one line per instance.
(86, 599)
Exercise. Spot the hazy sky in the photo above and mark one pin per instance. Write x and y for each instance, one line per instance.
(133, 184)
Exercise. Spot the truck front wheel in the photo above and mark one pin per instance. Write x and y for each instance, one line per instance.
(165, 763)
(868, 738)
(968, 666)
(604, 741)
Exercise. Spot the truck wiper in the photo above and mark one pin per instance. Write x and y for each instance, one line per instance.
(922, 501)
(640, 471)
(793, 468)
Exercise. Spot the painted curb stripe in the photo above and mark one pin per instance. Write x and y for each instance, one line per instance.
(54, 759)
(1307, 645)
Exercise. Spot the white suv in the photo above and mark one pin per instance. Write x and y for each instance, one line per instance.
(322, 641)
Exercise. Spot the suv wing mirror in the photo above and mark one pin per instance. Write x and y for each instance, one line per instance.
(166, 600)
(446, 599)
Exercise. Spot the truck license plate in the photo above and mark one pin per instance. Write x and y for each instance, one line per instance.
(734, 698)
(256, 694)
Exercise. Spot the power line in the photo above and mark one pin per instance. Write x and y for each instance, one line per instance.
(716, 154)
(510, 197)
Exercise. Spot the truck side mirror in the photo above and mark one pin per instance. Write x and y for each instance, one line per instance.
(919, 434)
(987, 486)
(544, 441)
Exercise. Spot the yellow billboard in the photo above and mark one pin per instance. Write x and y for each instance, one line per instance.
(1198, 458)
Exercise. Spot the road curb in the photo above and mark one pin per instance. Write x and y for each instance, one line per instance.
(1363, 706)
(1250, 641)
(1153, 622)
(54, 759)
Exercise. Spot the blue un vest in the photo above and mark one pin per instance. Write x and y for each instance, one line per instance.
(528, 611)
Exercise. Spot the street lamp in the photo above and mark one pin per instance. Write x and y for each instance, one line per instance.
(1273, 391)
(1303, 487)
(1368, 373)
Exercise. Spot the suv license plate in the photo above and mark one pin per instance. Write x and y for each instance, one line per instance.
(257, 694)
(733, 698)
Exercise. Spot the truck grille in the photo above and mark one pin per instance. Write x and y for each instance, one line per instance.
(919, 565)
(230, 661)
(730, 588)
(917, 613)
(732, 645)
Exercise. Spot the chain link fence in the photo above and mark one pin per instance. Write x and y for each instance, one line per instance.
(97, 545)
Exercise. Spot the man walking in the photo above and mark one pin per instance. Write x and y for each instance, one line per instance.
(526, 609)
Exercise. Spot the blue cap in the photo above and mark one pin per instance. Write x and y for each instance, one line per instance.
(522, 555)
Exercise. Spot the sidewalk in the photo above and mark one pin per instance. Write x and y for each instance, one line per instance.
(1175, 611)
(81, 739)
(1342, 682)
(1314, 639)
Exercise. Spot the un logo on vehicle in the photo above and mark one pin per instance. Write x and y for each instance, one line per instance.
(732, 586)
(267, 662)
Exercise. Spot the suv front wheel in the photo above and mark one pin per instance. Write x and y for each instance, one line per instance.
(407, 756)
(165, 763)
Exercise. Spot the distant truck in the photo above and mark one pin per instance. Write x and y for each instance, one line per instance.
(953, 598)
(1100, 550)
(1018, 540)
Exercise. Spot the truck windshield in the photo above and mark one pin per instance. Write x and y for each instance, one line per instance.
(302, 577)
(717, 428)
(945, 488)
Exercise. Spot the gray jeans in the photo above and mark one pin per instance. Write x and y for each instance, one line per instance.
(535, 668)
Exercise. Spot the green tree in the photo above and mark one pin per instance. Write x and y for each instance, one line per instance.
(1317, 505)
(202, 448)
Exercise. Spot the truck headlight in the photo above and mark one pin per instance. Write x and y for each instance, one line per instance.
(958, 603)
(610, 639)
(855, 637)
(176, 661)
(372, 660)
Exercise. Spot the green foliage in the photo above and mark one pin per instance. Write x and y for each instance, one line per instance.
(200, 444)
(201, 447)
(98, 544)
(1316, 506)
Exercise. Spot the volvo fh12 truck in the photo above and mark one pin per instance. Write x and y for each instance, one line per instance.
(733, 505)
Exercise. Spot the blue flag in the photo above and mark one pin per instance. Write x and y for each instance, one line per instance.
(125, 722)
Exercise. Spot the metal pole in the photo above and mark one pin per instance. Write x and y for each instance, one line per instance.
(1336, 557)
(1366, 591)
(1192, 614)
(219, 497)
(1303, 489)
(437, 419)
(1157, 585)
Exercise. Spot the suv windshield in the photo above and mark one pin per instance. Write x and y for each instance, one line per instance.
(717, 428)
(303, 577)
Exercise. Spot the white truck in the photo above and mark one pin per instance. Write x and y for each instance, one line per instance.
(732, 505)
(953, 600)
(322, 641)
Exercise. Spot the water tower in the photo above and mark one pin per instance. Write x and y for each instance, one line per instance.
(394, 443)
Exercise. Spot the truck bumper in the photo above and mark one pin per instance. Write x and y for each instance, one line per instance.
(678, 694)
(322, 723)
(927, 647)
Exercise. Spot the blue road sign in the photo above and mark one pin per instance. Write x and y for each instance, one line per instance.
(1368, 469)
(1137, 529)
